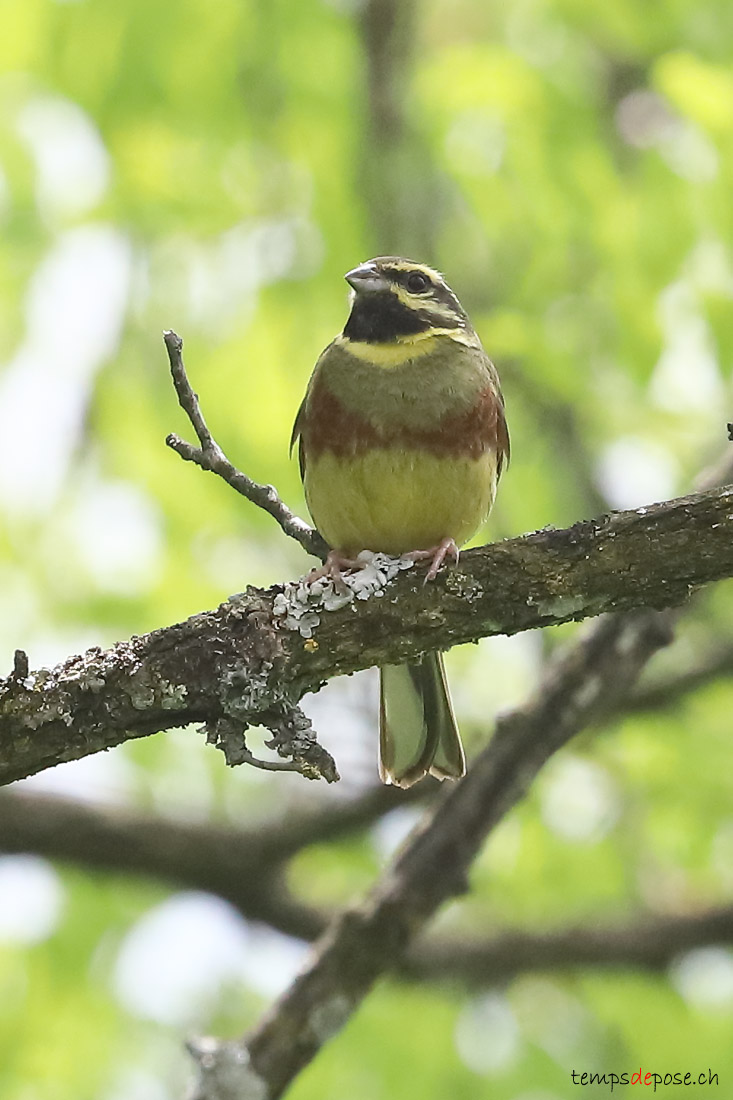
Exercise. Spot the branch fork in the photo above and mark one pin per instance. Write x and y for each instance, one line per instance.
(209, 456)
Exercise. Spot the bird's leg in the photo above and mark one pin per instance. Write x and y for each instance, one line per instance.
(332, 568)
(437, 555)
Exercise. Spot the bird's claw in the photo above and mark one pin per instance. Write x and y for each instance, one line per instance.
(333, 568)
(436, 555)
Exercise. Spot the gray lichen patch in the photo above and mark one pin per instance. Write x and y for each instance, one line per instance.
(172, 696)
(299, 606)
(560, 607)
(328, 1018)
(244, 686)
(466, 587)
(225, 1072)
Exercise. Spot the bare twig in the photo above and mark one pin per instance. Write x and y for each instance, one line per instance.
(203, 856)
(242, 864)
(293, 739)
(209, 456)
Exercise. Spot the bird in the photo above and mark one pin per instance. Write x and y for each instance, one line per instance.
(402, 438)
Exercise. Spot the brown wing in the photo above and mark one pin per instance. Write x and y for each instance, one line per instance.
(297, 436)
(499, 428)
(299, 427)
(503, 446)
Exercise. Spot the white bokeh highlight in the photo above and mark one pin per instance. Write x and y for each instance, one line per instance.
(704, 978)
(31, 899)
(177, 958)
(393, 829)
(633, 472)
(578, 799)
(550, 1017)
(103, 779)
(487, 1035)
(74, 313)
(686, 377)
(72, 163)
(117, 535)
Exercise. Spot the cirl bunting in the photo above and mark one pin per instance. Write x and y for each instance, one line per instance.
(402, 440)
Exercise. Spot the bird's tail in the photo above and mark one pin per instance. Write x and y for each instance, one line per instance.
(417, 727)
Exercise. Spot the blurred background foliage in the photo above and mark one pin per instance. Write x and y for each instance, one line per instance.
(215, 168)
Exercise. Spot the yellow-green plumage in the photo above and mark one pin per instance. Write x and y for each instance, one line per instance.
(396, 500)
(402, 438)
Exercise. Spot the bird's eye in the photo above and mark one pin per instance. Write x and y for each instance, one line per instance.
(417, 282)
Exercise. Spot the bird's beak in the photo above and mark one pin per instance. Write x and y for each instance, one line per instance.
(366, 279)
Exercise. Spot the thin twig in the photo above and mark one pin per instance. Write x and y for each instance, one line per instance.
(269, 765)
(210, 456)
(293, 738)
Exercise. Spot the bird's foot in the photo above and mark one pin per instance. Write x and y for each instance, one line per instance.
(333, 567)
(436, 555)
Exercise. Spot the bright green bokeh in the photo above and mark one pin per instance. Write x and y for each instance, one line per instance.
(211, 168)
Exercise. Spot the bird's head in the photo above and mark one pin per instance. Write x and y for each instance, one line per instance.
(395, 300)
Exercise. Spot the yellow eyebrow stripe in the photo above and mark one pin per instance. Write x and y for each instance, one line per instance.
(405, 265)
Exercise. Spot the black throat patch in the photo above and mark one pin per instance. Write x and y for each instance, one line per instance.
(382, 317)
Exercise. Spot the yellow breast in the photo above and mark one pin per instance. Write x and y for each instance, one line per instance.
(397, 500)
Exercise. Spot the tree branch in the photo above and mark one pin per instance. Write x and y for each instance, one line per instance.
(643, 942)
(243, 865)
(664, 692)
(369, 939)
(239, 663)
(197, 855)
(209, 456)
